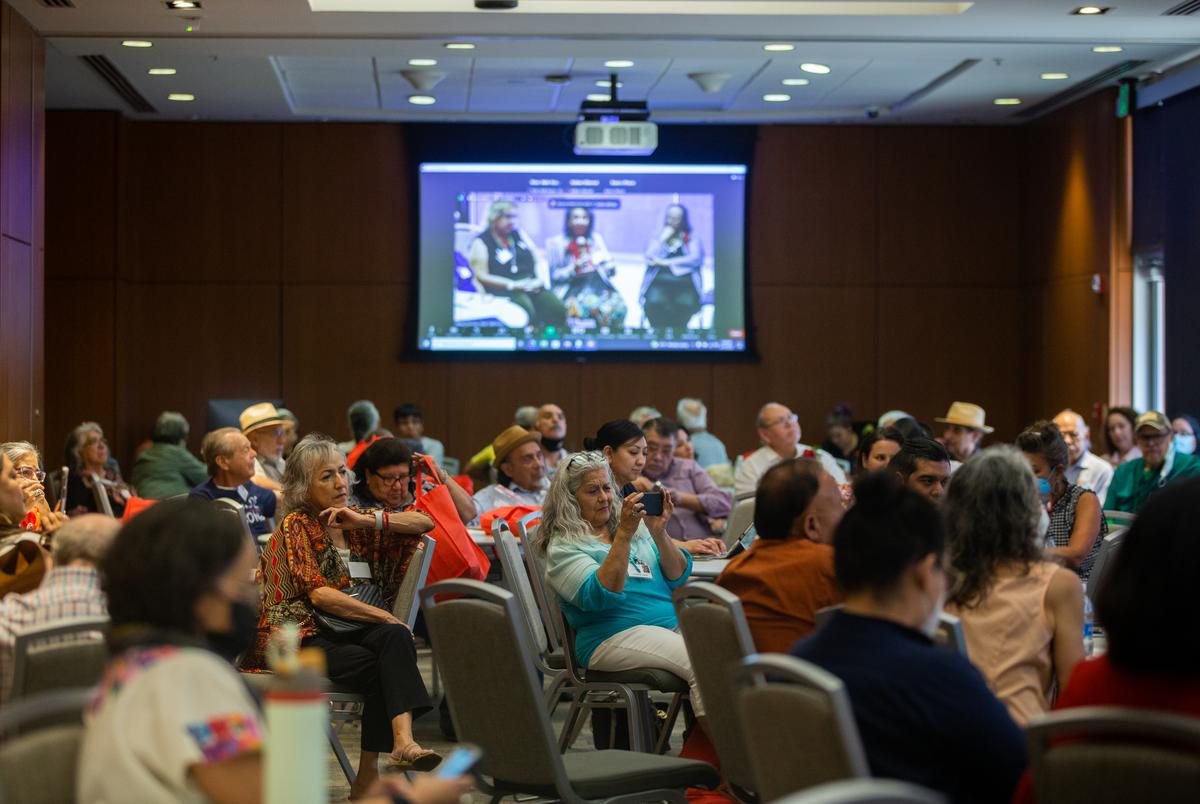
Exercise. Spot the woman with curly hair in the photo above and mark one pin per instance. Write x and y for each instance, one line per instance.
(1022, 615)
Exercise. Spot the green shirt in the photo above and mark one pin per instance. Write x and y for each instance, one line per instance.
(166, 470)
(1132, 483)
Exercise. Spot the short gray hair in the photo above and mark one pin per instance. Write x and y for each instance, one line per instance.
(306, 458)
(760, 420)
(215, 445)
(644, 413)
(363, 417)
(692, 414)
(16, 450)
(75, 447)
(562, 518)
(526, 416)
(86, 538)
(170, 428)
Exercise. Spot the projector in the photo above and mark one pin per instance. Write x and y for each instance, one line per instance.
(615, 128)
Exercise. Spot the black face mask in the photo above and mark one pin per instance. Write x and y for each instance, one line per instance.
(552, 444)
(229, 645)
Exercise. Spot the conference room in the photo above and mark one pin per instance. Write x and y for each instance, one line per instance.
(385, 379)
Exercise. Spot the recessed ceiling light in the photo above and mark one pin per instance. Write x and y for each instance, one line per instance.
(815, 69)
(180, 5)
(161, 71)
(459, 46)
(422, 100)
(1107, 49)
(605, 83)
(1007, 101)
(422, 62)
(1055, 76)
(1088, 11)
(618, 63)
(778, 47)
(598, 98)
(794, 82)
(181, 96)
(137, 43)
(776, 97)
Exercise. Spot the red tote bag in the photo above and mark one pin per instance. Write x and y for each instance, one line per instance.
(456, 555)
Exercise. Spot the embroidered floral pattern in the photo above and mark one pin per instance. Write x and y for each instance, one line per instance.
(226, 737)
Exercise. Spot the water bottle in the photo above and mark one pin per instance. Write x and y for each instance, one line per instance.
(1088, 627)
(297, 715)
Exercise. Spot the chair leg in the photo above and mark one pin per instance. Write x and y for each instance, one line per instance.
(567, 737)
(638, 717)
(664, 739)
(336, 744)
(554, 692)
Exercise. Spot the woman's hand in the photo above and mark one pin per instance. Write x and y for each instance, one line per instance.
(425, 788)
(632, 513)
(703, 547)
(658, 524)
(52, 521)
(32, 491)
(420, 457)
(345, 519)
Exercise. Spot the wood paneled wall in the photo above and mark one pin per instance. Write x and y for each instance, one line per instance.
(21, 284)
(234, 260)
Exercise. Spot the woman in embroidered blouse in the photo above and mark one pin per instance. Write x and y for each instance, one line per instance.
(1077, 525)
(613, 568)
(320, 548)
(581, 270)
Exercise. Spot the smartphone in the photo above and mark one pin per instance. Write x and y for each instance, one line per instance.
(652, 501)
(61, 504)
(463, 759)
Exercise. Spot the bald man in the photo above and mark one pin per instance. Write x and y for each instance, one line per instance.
(1084, 468)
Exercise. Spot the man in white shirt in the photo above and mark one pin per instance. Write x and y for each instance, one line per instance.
(1085, 469)
(779, 430)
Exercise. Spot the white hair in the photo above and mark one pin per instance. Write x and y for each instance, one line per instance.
(562, 519)
(643, 414)
(692, 414)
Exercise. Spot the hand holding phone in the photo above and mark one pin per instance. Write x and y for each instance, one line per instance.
(463, 759)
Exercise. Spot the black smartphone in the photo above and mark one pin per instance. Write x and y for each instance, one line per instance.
(652, 501)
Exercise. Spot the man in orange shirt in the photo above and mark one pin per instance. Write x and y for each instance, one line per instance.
(787, 574)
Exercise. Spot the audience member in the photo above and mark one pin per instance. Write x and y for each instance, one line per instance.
(1118, 432)
(911, 428)
(700, 507)
(166, 468)
(613, 569)
(787, 575)
(1085, 468)
(923, 465)
(262, 424)
(779, 430)
(693, 416)
(890, 418)
(965, 428)
(683, 446)
(230, 461)
(291, 431)
(551, 424)
(1185, 428)
(1160, 464)
(88, 457)
(1022, 615)
(877, 448)
(384, 480)
(841, 439)
(38, 516)
(12, 502)
(520, 471)
(1077, 525)
(524, 417)
(410, 425)
(363, 418)
(924, 713)
(320, 549)
(70, 589)
(643, 414)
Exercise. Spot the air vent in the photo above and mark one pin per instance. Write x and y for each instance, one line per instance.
(119, 83)
(57, 3)
(1184, 9)
(1084, 87)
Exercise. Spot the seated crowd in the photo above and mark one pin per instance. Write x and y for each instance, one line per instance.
(892, 525)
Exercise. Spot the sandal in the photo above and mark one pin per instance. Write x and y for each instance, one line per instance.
(414, 757)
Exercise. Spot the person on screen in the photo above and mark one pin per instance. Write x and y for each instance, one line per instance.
(672, 287)
(580, 271)
(506, 264)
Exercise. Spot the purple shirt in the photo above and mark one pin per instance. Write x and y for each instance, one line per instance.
(686, 475)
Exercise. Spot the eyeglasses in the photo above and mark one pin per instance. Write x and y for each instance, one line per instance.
(392, 480)
(29, 473)
(1153, 438)
(785, 421)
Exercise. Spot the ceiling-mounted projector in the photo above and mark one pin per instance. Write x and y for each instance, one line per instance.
(615, 127)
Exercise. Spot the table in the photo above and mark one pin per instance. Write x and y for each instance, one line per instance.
(710, 569)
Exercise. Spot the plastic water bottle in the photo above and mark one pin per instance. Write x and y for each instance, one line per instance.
(1089, 627)
(297, 715)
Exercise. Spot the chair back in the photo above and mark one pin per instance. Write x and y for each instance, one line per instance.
(70, 653)
(39, 746)
(1120, 519)
(740, 518)
(100, 495)
(407, 603)
(798, 726)
(1114, 754)
(1102, 566)
(517, 580)
(949, 633)
(718, 638)
(866, 791)
(226, 505)
(483, 623)
(546, 599)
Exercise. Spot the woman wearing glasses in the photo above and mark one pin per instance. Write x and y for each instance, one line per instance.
(88, 456)
(31, 478)
(383, 475)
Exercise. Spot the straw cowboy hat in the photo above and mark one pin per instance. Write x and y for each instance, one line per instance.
(966, 414)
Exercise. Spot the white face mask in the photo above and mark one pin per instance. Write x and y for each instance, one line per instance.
(930, 626)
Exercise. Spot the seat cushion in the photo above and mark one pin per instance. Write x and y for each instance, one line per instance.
(655, 679)
(602, 774)
(556, 661)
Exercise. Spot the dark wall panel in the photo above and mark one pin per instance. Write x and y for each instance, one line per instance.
(81, 180)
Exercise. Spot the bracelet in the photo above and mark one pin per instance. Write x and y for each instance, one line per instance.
(386, 523)
(378, 519)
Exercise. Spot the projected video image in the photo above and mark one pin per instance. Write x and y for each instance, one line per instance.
(585, 260)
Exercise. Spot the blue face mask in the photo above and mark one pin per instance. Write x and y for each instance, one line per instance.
(1185, 443)
(1044, 487)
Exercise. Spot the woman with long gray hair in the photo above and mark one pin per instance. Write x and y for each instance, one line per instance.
(613, 567)
(1022, 615)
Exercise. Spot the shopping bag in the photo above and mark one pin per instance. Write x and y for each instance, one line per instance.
(512, 514)
(456, 555)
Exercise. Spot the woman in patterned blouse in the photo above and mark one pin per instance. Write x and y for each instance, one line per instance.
(320, 548)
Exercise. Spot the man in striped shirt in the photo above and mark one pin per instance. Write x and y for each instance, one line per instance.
(70, 589)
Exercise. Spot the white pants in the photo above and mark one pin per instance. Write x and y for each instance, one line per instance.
(648, 646)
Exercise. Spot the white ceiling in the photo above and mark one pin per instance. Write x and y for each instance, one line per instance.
(283, 60)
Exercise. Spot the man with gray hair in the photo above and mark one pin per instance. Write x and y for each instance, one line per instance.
(70, 589)
(166, 468)
(1084, 468)
(779, 430)
(230, 459)
(709, 449)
